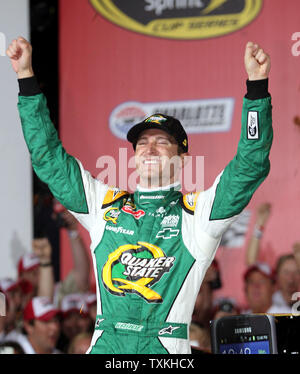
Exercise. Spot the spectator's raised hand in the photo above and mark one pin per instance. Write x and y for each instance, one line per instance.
(263, 214)
(42, 248)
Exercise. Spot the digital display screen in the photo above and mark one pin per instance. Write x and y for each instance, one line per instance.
(246, 345)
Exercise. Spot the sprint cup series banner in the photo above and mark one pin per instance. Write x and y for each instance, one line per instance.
(180, 19)
(121, 61)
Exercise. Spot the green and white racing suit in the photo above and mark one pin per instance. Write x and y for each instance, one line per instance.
(150, 249)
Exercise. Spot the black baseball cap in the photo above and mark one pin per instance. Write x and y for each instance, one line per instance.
(162, 122)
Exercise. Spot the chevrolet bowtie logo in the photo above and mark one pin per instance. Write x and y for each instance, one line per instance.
(168, 330)
(167, 233)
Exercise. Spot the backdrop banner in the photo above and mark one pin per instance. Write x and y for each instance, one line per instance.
(16, 185)
(123, 60)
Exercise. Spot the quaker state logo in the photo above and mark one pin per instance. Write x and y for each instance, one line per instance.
(180, 19)
(136, 268)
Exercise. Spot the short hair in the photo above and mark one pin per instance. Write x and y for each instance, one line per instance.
(281, 260)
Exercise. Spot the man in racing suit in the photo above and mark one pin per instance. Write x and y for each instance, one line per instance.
(150, 248)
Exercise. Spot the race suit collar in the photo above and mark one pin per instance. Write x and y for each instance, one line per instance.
(157, 196)
(174, 186)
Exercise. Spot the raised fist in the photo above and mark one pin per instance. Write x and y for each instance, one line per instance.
(42, 248)
(257, 62)
(20, 54)
(263, 214)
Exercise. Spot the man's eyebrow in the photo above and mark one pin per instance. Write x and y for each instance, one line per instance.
(164, 136)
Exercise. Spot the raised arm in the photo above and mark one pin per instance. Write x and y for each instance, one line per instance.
(253, 247)
(251, 165)
(42, 248)
(68, 181)
(81, 262)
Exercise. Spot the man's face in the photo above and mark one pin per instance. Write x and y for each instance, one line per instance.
(43, 335)
(288, 277)
(72, 325)
(259, 290)
(157, 160)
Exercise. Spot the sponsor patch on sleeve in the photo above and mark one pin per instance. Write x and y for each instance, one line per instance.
(252, 125)
(189, 201)
(112, 195)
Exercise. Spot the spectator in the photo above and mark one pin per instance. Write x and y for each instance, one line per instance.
(287, 268)
(225, 307)
(288, 281)
(204, 301)
(262, 216)
(80, 343)
(75, 319)
(91, 303)
(37, 269)
(259, 288)
(11, 323)
(199, 336)
(78, 280)
(42, 325)
(28, 270)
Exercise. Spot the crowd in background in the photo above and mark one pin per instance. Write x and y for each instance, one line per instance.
(44, 317)
(266, 289)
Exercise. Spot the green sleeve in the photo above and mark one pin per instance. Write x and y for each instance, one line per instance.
(52, 164)
(250, 166)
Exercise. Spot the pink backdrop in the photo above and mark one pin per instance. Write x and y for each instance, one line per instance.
(103, 65)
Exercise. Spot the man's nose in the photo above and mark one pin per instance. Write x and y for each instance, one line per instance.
(54, 326)
(151, 147)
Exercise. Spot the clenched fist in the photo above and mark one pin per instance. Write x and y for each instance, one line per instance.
(20, 54)
(42, 248)
(257, 62)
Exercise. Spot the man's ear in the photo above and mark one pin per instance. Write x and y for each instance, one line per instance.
(28, 326)
(185, 159)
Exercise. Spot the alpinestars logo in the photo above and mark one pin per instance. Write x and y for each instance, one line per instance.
(136, 268)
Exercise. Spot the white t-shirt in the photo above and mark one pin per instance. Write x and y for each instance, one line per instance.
(279, 301)
(25, 343)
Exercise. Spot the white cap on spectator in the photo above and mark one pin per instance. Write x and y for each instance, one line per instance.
(261, 267)
(90, 298)
(40, 308)
(28, 262)
(8, 284)
(74, 303)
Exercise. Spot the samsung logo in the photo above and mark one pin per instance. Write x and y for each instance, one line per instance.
(243, 330)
